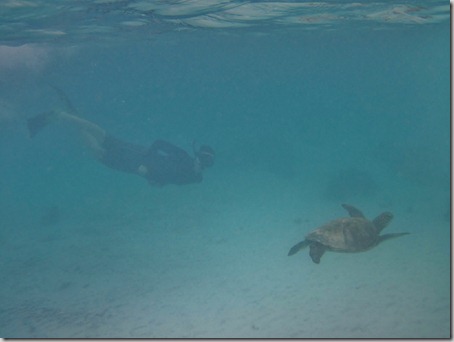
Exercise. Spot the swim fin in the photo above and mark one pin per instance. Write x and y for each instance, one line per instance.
(64, 98)
(38, 122)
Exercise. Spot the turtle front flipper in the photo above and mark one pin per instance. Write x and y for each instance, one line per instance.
(354, 212)
(384, 237)
(382, 220)
(316, 251)
(300, 245)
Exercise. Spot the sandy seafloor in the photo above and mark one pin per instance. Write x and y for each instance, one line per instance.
(211, 261)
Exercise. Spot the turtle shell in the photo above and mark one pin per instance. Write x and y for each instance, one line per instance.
(349, 234)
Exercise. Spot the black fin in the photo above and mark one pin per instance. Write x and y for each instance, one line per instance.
(38, 122)
(64, 98)
(297, 247)
(353, 212)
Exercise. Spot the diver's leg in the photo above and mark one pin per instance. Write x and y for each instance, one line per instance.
(85, 126)
(92, 134)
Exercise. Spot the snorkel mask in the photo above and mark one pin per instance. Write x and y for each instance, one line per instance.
(205, 154)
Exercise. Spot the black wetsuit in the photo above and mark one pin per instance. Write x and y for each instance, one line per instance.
(165, 162)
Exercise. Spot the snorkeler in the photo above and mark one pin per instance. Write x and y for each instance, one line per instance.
(162, 163)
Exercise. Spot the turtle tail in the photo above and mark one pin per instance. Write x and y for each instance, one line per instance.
(382, 220)
(300, 245)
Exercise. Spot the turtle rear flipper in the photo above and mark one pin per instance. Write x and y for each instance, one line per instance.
(300, 245)
(38, 122)
(384, 237)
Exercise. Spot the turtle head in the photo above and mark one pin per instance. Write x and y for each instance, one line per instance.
(382, 220)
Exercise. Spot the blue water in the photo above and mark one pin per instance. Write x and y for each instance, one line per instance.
(307, 107)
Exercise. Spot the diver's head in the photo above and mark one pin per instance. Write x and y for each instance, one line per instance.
(205, 156)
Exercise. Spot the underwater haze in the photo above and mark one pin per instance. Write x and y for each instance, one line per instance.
(308, 105)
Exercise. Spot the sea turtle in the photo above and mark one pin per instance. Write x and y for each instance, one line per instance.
(348, 234)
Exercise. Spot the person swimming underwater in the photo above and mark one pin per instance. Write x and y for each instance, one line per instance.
(162, 163)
